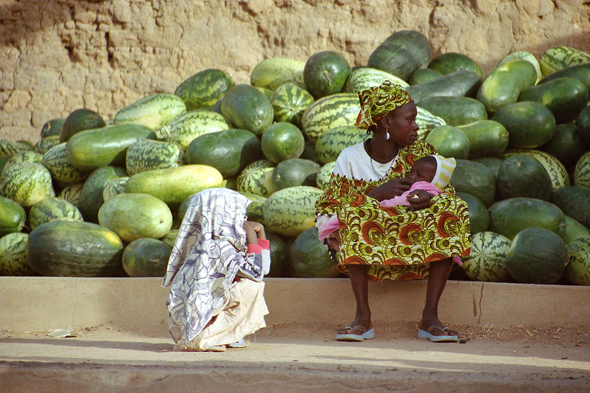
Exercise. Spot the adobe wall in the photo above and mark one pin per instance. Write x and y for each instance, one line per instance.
(60, 55)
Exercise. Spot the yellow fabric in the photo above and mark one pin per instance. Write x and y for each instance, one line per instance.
(444, 171)
(378, 101)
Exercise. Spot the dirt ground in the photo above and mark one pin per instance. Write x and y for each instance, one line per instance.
(302, 358)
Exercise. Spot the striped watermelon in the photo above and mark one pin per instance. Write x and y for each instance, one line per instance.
(45, 144)
(203, 89)
(25, 156)
(577, 271)
(325, 173)
(12, 216)
(56, 161)
(427, 122)
(254, 210)
(289, 102)
(582, 171)
(335, 110)
(13, 255)
(291, 211)
(53, 208)
(9, 148)
(152, 111)
(560, 57)
(365, 77)
(557, 171)
(331, 143)
(487, 259)
(72, 194)
(186, 127)
(274, 72)
(114, 187)
(26, 183)
(148, 154)
(256, 178)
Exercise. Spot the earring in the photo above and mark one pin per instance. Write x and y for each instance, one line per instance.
(387, 135)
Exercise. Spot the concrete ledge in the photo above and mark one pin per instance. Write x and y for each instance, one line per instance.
(138, 304)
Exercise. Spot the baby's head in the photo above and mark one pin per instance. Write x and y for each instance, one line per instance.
(433, 169)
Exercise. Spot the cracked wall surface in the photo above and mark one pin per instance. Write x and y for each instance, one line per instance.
(60, 55)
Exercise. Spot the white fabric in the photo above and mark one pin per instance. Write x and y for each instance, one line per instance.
(209, 251)
(355, 163)
(444, 171)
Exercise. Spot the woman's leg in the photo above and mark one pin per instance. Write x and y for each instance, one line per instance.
(437, 279)
(360, 287)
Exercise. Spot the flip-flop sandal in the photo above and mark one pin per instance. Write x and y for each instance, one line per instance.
(437, 339)
(365, 335)
(241, 343)
(216, 348)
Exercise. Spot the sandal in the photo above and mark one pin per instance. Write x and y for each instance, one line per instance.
(438, 339)
(241, 343)
(358, 333)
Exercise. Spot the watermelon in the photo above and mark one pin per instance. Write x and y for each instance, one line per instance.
(427, 122)
(256, 178)
(450, 62)
(479, 217)
(80, 120)
(583, 125)
(555, 169)
(582, 171)
(277, 71)
(152, 111)
(449, 141)
(247, 108)
(26, 183)
(45, 144)
(566, 145)
(203, 89)
(493, 163)
(173, 185)
(529, 124)
(577, 271)
(53, 208)
(455, 111)
(13, 255)
(487, 138)
(476, 179)
(148, 154)
(9, 148)
(75, 249)
(324, 175)
(279, 256)
(254, 209)
(52, 127)
(325, 73)
(25, 156)
(524, 55)
(170, 238)
(423, 75)
(335, 110)
(580, 72)
(72, 194)
(331, 143)
(402, 53)
(487, 259)
(114, 187)
(290, 211)
(537, 256)
(289, 101)
(559, 57)
(12, 216)
(573, 201)
(523, 176)
(309, 257)
(146, 257)
(366, 77)
(510, 216)
(186, 127)
(61, 169)
(294, 172)
(133, 216)
(574, 230)
(228, 151)
(91, 195)
(282, 141)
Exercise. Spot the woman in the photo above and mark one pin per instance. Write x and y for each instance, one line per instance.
(215, 274)
(397, 242)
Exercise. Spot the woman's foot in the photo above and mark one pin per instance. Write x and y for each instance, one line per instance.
(435, 331)
(358, 330)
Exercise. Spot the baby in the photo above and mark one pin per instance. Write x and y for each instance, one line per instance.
(429, 173)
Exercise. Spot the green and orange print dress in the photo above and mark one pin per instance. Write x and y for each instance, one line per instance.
(396, 243)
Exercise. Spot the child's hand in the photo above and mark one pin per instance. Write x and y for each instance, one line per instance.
(254, 231)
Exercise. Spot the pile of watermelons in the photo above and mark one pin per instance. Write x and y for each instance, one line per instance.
(105, 197)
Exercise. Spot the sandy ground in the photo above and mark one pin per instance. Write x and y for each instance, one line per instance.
(302, 358)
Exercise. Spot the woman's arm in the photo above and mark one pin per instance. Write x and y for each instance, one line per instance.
(391, 189)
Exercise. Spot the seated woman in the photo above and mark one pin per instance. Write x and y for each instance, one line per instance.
(397, 242)
(215, 274)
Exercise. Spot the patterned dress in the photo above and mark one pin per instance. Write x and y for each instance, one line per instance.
(396, 242)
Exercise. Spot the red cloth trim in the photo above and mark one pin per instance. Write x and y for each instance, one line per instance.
(254, 249)
(264, 243)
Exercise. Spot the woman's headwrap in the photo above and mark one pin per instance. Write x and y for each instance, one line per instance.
(378, 101)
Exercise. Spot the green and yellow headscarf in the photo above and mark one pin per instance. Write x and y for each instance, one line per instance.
(378, 101)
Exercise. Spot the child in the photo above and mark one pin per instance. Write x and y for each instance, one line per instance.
(215, 274)
(429, 173)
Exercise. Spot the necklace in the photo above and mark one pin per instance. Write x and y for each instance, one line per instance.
(388, 169)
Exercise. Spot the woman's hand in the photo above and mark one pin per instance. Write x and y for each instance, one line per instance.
(254, 231)
(391, 189)
(419, 199)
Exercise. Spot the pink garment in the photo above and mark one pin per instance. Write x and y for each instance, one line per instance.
(402, 199)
